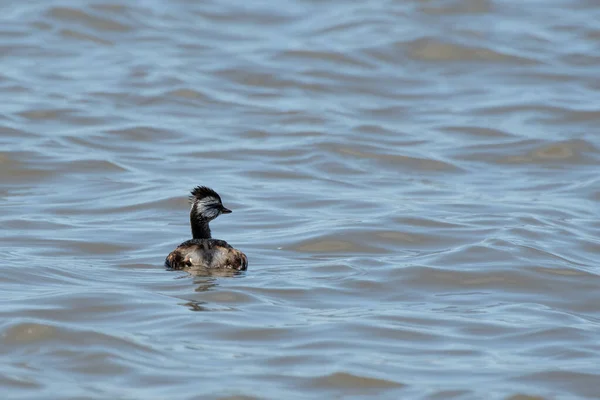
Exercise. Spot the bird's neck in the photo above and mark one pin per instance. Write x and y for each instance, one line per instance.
(200, 228)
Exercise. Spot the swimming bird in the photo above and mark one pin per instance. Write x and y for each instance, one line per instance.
(202, 251)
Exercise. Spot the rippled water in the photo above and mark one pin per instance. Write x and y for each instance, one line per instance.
(415, 183)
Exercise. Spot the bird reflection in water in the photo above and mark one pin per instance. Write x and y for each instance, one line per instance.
(205, 281)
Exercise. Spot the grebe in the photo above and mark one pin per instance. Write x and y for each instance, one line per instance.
(202, 251)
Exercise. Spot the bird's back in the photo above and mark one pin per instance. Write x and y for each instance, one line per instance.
(206, 253)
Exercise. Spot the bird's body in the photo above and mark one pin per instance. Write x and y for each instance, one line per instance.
(203, 251)
(206, 253)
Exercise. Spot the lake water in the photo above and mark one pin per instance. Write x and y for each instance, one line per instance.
(415, 183)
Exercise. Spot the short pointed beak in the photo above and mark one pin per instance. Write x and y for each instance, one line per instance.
(225, 210)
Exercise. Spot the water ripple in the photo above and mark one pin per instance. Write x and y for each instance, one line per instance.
(414, 183)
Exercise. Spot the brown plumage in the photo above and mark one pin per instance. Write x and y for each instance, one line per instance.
(203, 251)
(207, 253)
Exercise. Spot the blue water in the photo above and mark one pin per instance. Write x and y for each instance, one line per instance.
(415, 185)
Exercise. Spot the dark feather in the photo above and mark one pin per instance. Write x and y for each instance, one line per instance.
(206, 253)
(201, 192)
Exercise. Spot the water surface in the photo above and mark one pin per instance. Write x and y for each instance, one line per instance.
(415, 184)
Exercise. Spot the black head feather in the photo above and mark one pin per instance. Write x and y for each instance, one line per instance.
(206, 206)
(200, 192)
